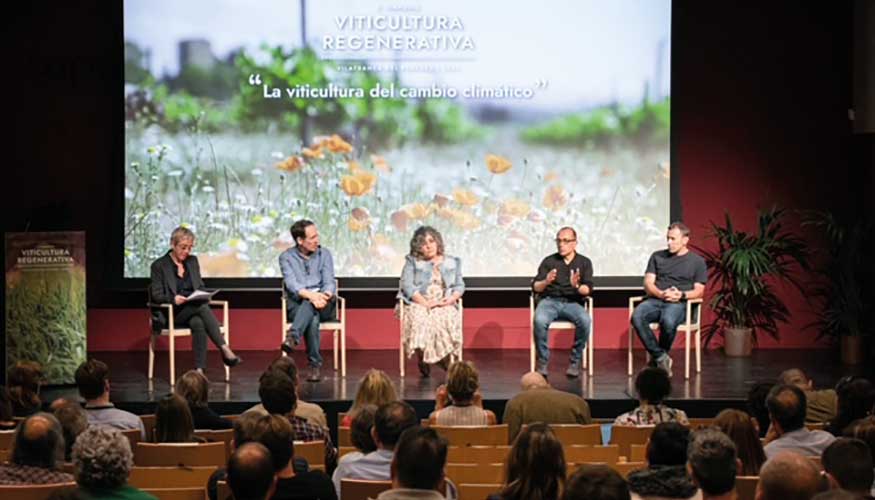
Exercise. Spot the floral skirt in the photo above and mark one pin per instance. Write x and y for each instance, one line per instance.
(437, 332)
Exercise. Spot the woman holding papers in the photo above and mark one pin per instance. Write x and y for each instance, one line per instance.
(175, 278)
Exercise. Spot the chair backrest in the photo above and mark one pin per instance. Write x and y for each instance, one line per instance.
(6, 439)
(33, 491)
(815, 426)
(133, 436)
(170, 477)
(746, 487)
(637, 453)
(624, 436)
(177, 493)
(182, 454)
(343, 450)
(481, 435)
(577, 454)
(624, 468)
(360, 489)
(5, 455)
(569, 434)
(698, 423)
(475, 473)
(223, 491)
(313, 452)
(477, 454)
(477, 491)
(344, 436)
(217, 436)
(149, 426)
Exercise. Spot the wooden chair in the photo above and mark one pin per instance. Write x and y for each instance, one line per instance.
(6, 439)
(313, 452)
(402, 353)
(479, 435)
(475, 473)
(361, 489)
(815, 426)
(563, 325)
(134, 436)
(624, 468)
(577, 453)
(477, 491)
(625, 436)
(570, 434)
(700, 423)
(477, 454)
(337, 327)
(5, 456)
(692, 325)
(33, 491)
(637, 453)
(344, 436)
(223, 491)
(177, 493)
(343, 450)
(172, 333)
(746, 487)
(181, 454)
(217, 436)
(232, 418)
(170, 477)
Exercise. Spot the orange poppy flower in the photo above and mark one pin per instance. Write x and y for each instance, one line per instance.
(465, 197)
(380, 163)
(514, 208)
(290, 164)
(555, 198)
(497, 164)
(336, 144)
(314, 153)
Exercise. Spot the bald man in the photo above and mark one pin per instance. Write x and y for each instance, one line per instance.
(538, 402)
(821, 405)
(789, 476)
(39, 445)
(251, 472)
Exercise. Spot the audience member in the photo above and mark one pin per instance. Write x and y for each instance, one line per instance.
(375, 388)
(102, 461)
(837, 494)
(756, 406)
(713, 464)
(789, 476)
(73, 421)
(856, 397)
(535, 468)
(460, 402)
(418, 466)
(666, 472)
(821, 404)
(596, 482)
(173, 422)
(538, 402)
(7, 420)
(312, 412)
(741, 429)
(360, 432)
(24, 381)
(787, 431)
(848, 465)
(92, 379)
(653, 386)
(251, 473)
(194, 387)
(38, 447)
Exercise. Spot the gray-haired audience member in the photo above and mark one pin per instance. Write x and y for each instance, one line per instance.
(102, 462)
(418, 466)
(596, 482)
(251, 472)
(38, 447)
(848, 465)
(666, 472)
(787, 431)
(789, 476)
(73, 421)
(713, 463)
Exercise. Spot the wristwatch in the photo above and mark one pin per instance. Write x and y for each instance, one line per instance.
(683, 295)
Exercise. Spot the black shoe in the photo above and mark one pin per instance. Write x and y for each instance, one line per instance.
(232, 362)
(424, 368)
(444, 362)
(314, 375)
(288, 347)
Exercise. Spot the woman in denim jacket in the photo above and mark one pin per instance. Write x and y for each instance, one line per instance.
(431, 284)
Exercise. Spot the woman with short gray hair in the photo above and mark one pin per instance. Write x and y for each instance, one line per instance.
(102, 462)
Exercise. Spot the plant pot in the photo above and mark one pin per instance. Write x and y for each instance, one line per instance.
(737, 342)
(853, 350)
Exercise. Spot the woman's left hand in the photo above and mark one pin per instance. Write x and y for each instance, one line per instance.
(448, 301)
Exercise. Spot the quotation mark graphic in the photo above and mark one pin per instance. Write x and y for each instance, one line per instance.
(540, 84)
(254, 79)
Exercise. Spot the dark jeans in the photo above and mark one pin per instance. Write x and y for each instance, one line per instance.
(669, 315)
(305, 318)
(203, 323)
(549, 310)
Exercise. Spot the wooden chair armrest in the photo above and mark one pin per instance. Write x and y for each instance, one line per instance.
(223, 303)
(154, 304)
(633, 300)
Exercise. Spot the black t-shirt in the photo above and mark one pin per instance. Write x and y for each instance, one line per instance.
(680, 271)
(184, 286)
(312, 485)
(562, 286)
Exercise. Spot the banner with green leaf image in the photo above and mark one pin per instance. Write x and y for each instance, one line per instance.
(45, 302)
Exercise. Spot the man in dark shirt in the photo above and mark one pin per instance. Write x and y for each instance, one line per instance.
(564, 279)
(673, 276)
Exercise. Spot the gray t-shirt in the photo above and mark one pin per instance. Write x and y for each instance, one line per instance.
(679, 271)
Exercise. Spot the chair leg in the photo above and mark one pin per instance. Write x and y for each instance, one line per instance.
(698, 350)
(591, 349)
(629, 371)
(172, 359)
(334, 338)
(228, 342)
(687, 354)
(151, 355)
(401, 340)
(532, 351)
(343, 350)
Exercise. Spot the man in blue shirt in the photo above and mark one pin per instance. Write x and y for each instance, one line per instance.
(308, 282)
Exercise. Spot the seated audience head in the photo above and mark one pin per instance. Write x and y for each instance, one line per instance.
(375, 388)
(740, 428)
(277, 392)
(668, 444)
(390, 421)
(712, 462)
(286, 365)
(250, 472)
(836, 494)
(73, 420)
(535, 465)
(855, 399)
(797, 377)
(360, 431)
(652, 385)
(789, 476)
(863, 429)
(24, 380)
(173, 420)
(419, 238)
(786, 405)
(102, 458)
(596, 482)
(419, 459)
(463, 381)
(276, 434)
(194, 388)
(92, 379)
(244, 428)
(848, 462)
(533, 380)
(756, 405)
(39, 442)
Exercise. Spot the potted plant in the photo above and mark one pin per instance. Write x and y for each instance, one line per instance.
(842, 296)
(743, 272)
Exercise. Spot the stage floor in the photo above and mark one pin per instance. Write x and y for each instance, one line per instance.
(723, 382)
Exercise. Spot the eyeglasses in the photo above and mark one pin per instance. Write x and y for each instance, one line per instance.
(565, 240)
